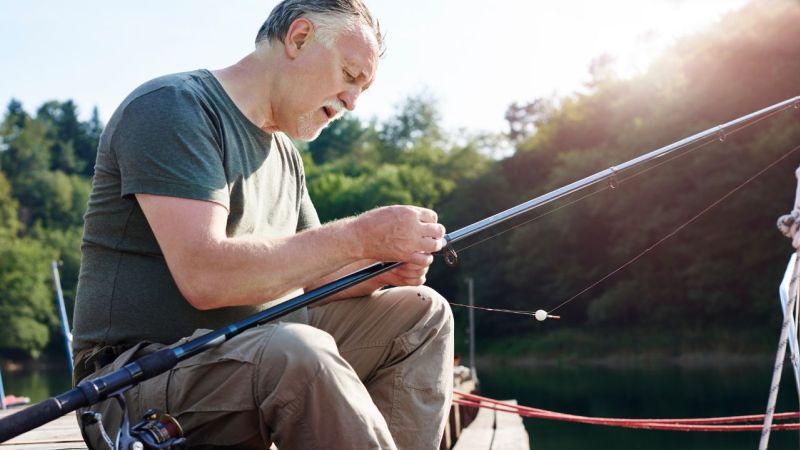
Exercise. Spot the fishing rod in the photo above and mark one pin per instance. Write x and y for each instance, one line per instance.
(158, 430)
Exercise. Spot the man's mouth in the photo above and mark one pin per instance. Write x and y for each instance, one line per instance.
(329, 112)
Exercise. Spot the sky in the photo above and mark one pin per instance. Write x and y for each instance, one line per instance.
(474, 57)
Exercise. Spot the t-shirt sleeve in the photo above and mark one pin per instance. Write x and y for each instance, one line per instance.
(166, 143)
(308, 217)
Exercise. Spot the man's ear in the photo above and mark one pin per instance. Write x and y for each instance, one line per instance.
(298, 36)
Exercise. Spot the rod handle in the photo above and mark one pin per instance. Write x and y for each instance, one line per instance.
(30, 418)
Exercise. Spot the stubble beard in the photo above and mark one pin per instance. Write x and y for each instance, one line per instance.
(307, 130)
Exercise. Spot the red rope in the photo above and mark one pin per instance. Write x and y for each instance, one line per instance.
(699, 424)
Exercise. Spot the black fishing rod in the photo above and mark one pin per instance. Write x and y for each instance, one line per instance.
(112, 385)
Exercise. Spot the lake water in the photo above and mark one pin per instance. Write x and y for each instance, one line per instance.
(593, 391)
(666, 392)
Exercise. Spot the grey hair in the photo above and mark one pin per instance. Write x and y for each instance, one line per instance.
(328, 17)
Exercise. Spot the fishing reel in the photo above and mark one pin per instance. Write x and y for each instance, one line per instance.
(158, 430)
(155, 431)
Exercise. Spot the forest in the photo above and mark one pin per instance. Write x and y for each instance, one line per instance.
(712, 285)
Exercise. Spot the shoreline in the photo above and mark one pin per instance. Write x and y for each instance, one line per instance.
(46, 363)
(698, 360)
(631, 349)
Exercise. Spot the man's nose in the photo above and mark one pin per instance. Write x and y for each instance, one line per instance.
(350, 97)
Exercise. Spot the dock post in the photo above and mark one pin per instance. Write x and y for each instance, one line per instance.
(63, 312)
(2, 392)
(470, 285)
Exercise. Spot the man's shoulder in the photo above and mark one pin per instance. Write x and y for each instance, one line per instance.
(178, 84)
(171, 98)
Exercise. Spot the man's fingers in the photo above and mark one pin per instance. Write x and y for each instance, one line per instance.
(434, 230)
(428, 215)
(396, 280)
(416, 281)
(421, 259)
(410, 270)
(429, 245)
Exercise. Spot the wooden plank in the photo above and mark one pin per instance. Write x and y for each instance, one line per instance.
(509, 434)
(62, 433)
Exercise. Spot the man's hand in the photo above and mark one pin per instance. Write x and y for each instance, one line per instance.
(407, 234)
(401, 233)
(406, 275)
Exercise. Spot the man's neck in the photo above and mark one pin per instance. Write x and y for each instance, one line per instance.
(247, 83)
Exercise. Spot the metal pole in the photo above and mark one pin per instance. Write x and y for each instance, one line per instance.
(2, 392)
(63, 312)
(470, 285)
(792, 275)
(789, 308)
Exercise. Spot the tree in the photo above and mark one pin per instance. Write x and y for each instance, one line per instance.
(415, 123)
(27, 307)
(337, 140)
(69, 152)
(87, 141)
(523, 117)
(15, 114)
(9, 209)
(27, 147)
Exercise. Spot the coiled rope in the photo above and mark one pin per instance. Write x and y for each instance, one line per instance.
(716, 424)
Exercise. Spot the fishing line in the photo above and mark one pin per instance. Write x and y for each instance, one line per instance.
(654, 245)
(682, 226)
(510, 311)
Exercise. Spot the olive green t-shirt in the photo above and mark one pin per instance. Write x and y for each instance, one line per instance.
(182, 136)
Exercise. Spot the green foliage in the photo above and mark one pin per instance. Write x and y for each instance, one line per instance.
(45, 163)
(405, 160)
(341, 138)
(9, 208)
(415, 124)
(27, 304)
(27, 147)
(53, 198)
(75, 142)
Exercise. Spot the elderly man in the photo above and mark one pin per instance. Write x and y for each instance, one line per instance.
(199, 216)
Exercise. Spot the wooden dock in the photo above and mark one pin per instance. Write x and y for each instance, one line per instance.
(62, 434)
(496, 430)
(489, 429)
(470, 428)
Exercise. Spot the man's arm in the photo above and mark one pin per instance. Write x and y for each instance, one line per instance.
(214, 271)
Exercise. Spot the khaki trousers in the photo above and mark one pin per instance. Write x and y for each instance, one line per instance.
(367, 373)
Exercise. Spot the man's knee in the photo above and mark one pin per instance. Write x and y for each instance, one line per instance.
(296, 352)
(303, 344)
(436, 309)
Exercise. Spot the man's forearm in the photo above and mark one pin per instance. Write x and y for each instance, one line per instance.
(360, 290)
(247, 271)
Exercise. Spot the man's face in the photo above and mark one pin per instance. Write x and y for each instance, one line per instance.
(331, 80)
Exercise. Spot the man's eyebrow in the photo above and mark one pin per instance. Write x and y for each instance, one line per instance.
(353, 66)
(361, 74)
